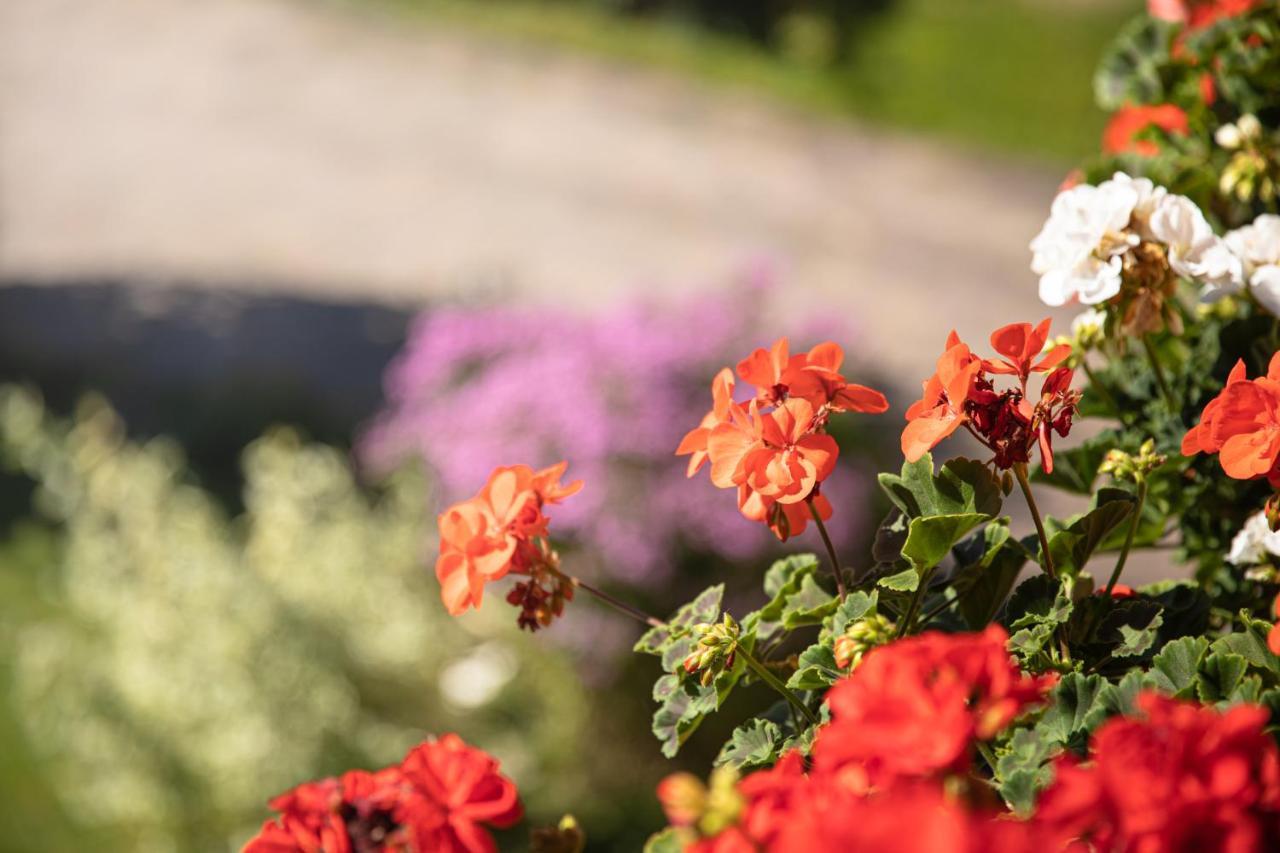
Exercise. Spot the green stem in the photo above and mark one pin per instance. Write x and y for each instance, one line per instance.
(1128, 539)
(917, 598)
(987, 755)
(1103, 391)
(616, 604)
(1159, 373)
(772, 680)
(1020, 472)
(831, 549)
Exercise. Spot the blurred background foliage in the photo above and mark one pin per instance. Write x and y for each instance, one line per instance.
(176, 653)
(998, 75)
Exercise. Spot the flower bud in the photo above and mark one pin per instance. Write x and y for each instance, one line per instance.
(1228, 136)
(861, 637)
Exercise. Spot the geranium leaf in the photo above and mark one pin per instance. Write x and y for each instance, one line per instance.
(1073, 545)
(682, 706)
(667, 841)
(756, 743)
(1250, 643)
(1220, 676)
(1130, 69)
(816, 669)
(855, 606)
(809, 605)
(962, 486)
(904, 581)
(704, 608)
(1174, 669)
(930, 539)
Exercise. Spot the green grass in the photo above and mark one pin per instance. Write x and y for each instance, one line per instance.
(1010, 76)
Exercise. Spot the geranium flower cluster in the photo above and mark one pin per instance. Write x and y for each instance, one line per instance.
(893, 770)
(897, 753)
(439, 799)
(502, 531)
(1010, 423)
(1180, 776)
(1126, 241)
(773, 448)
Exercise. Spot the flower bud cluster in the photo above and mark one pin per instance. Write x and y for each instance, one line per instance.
(1252, 172)
(1134, 467)
(715, 645)
(861, 637)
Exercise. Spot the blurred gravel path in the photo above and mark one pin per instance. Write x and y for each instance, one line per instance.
(323, 151)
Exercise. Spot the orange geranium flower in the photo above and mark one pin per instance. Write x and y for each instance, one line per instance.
(1020, 343)
(1242, 425)
(486, 537)
(940, 409)
(813, 376)
(1121, 132)
(789, 459)
(694, 442)
(774, 449)
(961, 393)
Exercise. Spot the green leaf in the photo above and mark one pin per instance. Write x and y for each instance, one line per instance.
(904, 581)
(1250, 642)
(808, 606)
(1174, 669)
(704, 608)
(816, 669)
(682, 706)
(1220, 675)
(1138, 640)
(756, 743)
(1130, 69)
(855, 606)
(1122, 699)
(783, 578)
(1075, 709)
(983, 584)
(1023, 769)
(1071, 547)
(930, 539)
(668, 840)
(962, 486)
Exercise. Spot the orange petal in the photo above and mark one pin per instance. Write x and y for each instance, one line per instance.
(923, 434)
(860, 398)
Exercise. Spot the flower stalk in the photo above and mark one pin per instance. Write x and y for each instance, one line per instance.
(616, 603)
(831, 550)
(772, 680)
(1020, 473)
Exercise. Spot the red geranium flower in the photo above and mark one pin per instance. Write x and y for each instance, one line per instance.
(913, 708)
(1182, 776)
(1198, 14)
(456, 791)
(437, 799)
(1121, 132)
(1242, 425)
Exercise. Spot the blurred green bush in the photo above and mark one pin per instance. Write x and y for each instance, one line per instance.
(172, 667)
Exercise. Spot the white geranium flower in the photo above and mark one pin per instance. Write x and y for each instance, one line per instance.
(1258, 247)
(1194, 250)
(1078, 254)
(1150, 198)
(1254, 542)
